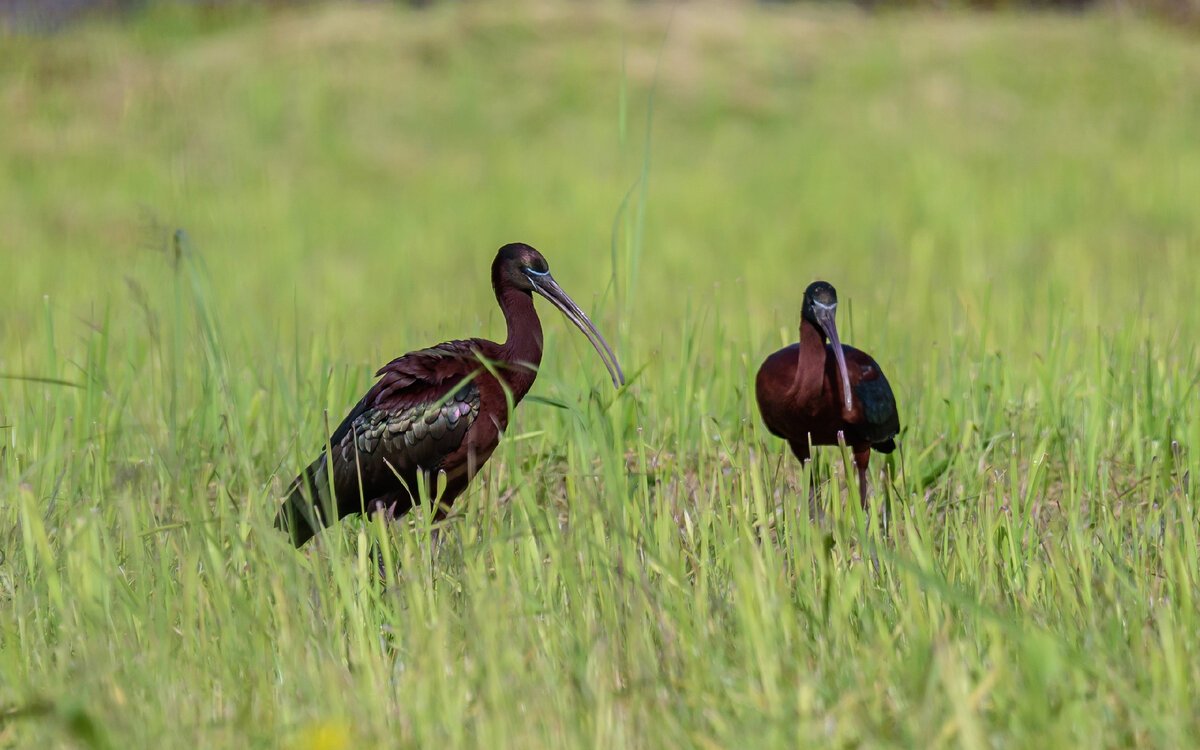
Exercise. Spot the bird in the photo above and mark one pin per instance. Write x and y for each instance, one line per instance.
(435, 411)
(819, 392)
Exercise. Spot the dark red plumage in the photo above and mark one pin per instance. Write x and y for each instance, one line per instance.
(806, 396)
(435, 411)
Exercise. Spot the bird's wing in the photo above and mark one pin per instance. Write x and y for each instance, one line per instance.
(418, 412)
(412, 418)
(879, 404)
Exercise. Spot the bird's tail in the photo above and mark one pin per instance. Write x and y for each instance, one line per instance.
(886, 446)
(301, 513)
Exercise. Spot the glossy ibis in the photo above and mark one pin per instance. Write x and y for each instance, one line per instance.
(814, 393)
(436, 411)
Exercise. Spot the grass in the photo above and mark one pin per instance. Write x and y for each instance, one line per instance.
(1005, 202)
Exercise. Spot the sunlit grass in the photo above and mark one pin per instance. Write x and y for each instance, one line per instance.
(1005, 203)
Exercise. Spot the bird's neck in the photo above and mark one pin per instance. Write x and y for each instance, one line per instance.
(521, 352)
(810, 362)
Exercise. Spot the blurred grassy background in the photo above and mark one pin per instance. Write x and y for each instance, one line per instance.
(316, 152)
(1005, 202)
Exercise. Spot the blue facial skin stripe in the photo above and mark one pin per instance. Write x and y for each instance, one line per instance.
(538, 273)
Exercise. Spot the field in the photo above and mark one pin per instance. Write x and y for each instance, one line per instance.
(1006, 203)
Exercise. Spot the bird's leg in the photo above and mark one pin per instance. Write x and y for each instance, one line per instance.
(389, 507)
(802, 452)
(841, 441)
(435, 531)
(442, 496)
(862, 455)
(815, 511)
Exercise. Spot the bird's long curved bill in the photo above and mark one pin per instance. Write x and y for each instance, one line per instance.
(545, 285)
(825, 316)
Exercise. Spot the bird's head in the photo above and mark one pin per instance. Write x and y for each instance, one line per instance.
(820, 306)
(518, 266)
